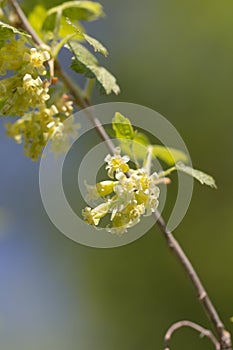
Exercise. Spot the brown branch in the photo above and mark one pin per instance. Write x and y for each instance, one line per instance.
(25, 24)
(223, 335)
(83, 103)
(203, 333)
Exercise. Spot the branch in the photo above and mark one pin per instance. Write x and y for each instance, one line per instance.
(203, 333)
(223, 335)
(83, 103)
(25, 24)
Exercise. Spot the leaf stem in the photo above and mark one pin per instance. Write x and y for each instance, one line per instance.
(57, 26)
(148, 160)
(57, 47)
(89, 88)
(167, 172)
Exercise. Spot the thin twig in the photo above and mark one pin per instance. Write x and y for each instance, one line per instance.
(223, 335)
(203, 333)
(82, 102)
(26, 25)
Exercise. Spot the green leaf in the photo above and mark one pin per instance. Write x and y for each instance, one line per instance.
(106, 82)
(85, 63)
(66, 29)
(49, 23)
(141, 138)
(122, 127)
(56, 21)
(203, 178)
(139, 145)
(82, 59)
(168, 154)
(78, 10)
(7, 32)
(132, 142)
(124, 132)
(97, 46)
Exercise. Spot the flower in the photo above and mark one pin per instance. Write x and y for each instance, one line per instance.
(33, 90)
(11, 55)
(128, 197)
(93, 216)
(21, 94)
(105, 187)
(116, 163)
(65, 105)
(36, 60)
(127, 218)
(34, 129)
(62, 135)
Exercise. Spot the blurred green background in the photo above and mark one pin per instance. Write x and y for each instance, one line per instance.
(177, 58)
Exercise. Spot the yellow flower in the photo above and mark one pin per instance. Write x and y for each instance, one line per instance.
(105, 187)
(93, 216)
(11, 55)
(116, 163)
(36, 60)
(132, 195)
(34, 129)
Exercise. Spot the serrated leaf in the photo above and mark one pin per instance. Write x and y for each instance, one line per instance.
(7, 31)
(85, 63)
(79, 10)
(132, 142)
(66, 29)
(82, 59)
(106, 82)
(49, 23)
(74, 10)
(168, 154)
(97, 45)
(203, 178)
(122, 127)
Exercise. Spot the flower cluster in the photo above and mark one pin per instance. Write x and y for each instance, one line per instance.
(131, 194)
(25, 90)
(26, 95)
(65, 105)
(16, 55)
(21, 94)
(36, 128)
(11, 55)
